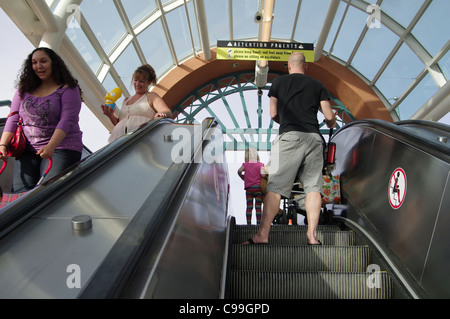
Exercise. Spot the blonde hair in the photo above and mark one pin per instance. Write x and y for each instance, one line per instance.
(251, 155)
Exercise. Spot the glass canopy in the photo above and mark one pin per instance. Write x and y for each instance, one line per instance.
(402, 54)
(397, 47)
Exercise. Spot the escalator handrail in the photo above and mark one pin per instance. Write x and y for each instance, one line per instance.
(226, 263)
(112, 277)
(435, 149)
(17, 212)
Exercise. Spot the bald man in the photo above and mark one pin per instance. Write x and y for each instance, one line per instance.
(297, 152)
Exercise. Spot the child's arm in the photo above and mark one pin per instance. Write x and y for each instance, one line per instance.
(241, 172)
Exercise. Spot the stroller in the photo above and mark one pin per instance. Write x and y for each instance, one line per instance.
(295, 204)
(7, 198)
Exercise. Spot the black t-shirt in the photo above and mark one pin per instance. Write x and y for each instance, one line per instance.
(299, 99)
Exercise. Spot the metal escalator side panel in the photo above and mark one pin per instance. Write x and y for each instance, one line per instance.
(368, 158)
(175, 237)
(42, 256)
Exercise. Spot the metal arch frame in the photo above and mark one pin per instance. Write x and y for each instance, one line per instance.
(431, 64)
(236, 83)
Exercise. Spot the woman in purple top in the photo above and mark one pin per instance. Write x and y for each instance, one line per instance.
(251, 173)
(48, 100)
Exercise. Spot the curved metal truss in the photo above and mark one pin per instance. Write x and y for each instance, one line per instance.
(231, 100)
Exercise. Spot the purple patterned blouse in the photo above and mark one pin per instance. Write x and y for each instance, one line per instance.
(42, 115)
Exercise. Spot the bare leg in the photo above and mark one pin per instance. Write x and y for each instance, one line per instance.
(313, 204)
(270, 210)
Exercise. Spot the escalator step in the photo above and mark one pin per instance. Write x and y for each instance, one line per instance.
(254, 228)
(298, 237)
(300, 258)
(313, 285)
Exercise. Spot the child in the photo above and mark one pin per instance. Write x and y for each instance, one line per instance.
(254, 170)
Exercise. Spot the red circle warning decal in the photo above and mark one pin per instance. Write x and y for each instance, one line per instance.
(397, 188)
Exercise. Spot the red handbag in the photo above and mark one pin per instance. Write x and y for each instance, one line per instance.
(18, 141)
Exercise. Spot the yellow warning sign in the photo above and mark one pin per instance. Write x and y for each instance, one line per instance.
(257, 50)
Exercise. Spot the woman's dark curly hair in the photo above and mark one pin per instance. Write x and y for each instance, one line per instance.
(29, 81)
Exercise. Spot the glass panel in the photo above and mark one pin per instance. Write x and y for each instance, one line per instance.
(445, 65)
(351, 29)
(416, 99)
(108, 30)
(156, 50)
(95, 134)
(193, 22)
(432, 30)
(137, 12)
(402, 11)
(84, 47)
(400, 73)
(375, 48)
(445, 119)
(53, 5)
(283, 22)
(244, 25)
(179, 31)
(311, 19)
(125, 65)
(217, 20)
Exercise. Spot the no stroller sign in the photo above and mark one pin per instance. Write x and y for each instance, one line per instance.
(397, 188)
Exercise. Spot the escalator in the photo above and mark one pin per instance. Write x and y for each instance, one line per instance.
(121, 222)
(145, 217)
(290, 269)
(384, 242)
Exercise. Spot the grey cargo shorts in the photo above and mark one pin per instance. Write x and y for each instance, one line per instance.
(296, 156)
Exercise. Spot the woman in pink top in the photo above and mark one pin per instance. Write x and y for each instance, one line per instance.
(254, 170)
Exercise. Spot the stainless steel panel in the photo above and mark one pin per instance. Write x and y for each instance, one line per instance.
(435, 278)
(34, 261)
(34, 257)
(191, 264)
(365, 160)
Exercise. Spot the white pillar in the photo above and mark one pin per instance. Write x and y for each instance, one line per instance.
(203, 28)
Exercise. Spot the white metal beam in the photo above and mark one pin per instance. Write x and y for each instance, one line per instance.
(200, 11)
(20, 12)
(55, 23)
(262, 66)
(436, 107)
(332, 9)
